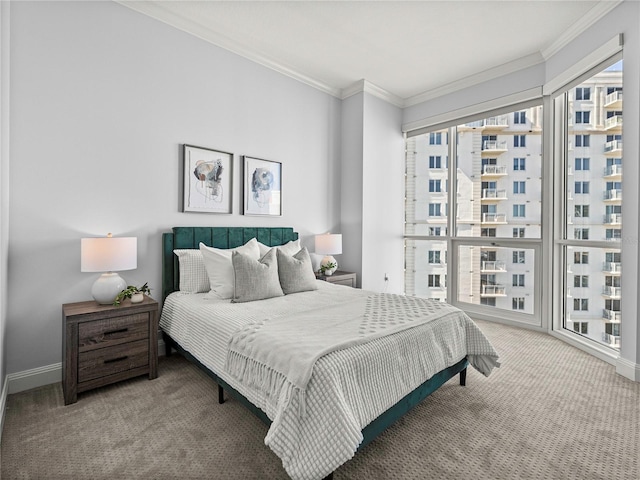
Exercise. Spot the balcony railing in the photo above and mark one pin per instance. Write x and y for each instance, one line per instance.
(494, 218)
(612, 315)
(613, 122)
(613, 146)
(613, 194)
(494, 145)
(494, 170)
(612, 267)
(493, 266)
(499, 121)
(613, 292)
(613, 171)
(613, 340)
(493, 291)
(613, 99)
(613, 219)
(493, 194)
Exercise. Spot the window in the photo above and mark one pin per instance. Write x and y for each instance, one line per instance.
(581, 187)
(581, 233)
(520, 117)
(490, 301)
(435, 161)
(580, 304)
(518, 210)
(581, 211)
(434, 257)
(488, 232)
(435, 138)
(583, 117)
(519, 141)
(517, 303)
(435, 231)
(434, 281)
(518, 232)
(435, 186)
(582, 164)
(583, 93)
(583, 140)
(519, 187)
(517, 280)
(519, 164)
(581, 281)
(434, 209)
(518, 256)
(613, 234)
(581, 258)
(581, 327)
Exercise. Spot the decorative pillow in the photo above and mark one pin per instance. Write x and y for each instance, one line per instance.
(193, 275)
(295, 272)
(255, 279)
(217, 262)
(289, 248)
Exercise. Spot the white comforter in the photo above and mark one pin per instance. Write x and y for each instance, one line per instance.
(348, 388)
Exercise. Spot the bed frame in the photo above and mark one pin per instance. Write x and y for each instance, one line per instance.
(229, 237)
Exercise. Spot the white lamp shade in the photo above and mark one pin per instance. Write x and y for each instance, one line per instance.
(329, 244)
(108, 254)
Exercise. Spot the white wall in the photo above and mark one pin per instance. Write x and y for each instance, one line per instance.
(102, 98)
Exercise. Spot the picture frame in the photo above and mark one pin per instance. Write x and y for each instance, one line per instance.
(208, 180)
(262, 185)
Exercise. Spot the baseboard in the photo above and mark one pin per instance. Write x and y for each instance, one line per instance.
(3, 404)
(628, 369)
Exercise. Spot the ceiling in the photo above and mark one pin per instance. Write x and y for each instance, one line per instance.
(408, 50)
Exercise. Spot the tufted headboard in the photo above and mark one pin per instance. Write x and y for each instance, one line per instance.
(218, 237)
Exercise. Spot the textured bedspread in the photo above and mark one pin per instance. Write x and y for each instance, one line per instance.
(344, 392)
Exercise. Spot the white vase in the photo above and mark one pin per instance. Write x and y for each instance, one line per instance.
(137, 297)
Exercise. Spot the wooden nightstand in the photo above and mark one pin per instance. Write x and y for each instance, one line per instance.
(339, 277)
(103, 344)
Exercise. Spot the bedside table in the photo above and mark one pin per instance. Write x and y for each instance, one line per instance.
(103, 344)
(339, 277)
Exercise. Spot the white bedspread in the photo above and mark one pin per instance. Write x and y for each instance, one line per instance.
(348, 387)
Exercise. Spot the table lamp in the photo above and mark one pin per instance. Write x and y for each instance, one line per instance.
(329, 244)
(108, 254)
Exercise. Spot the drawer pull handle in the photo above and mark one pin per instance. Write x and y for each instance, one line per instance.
(113, 332)
(112, 360)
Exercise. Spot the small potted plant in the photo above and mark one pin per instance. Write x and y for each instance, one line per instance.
(327, 268)
(136, 294)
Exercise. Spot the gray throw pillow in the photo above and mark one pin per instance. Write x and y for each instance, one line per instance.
(255, 279)
(296, 272)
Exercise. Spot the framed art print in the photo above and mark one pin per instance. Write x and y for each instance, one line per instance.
(262, 187)
(208, 180)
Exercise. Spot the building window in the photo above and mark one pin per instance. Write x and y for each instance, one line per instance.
(519, 164)
(581, 281)
(581, 327)
(580, 304)
(520, 117)
(435, 161)
(435, 138)
(490, 301)
(518, 256)
(583, 93)
(518, 232)
(582, 164)
(613, 234)
(434, 257)
(519, 140)
(435, 231)
(581, 258)
(435, 210)
(435, 186)
(518, 280)
(488, 232)
(581, 211)
(517, 303)
(581, 233)
(612, 329)
(519, 187)
(581, 187)
(519, 211)
(583, 140)
(583, 117)
(434, 281)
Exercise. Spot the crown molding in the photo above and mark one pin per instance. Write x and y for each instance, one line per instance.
(372, 89)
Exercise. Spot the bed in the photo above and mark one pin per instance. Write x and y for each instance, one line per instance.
(353, 392)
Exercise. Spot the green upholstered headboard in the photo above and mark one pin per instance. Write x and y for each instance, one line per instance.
(218, 237)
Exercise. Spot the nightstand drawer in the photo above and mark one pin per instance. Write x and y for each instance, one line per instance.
(112, 331)
(107, 361)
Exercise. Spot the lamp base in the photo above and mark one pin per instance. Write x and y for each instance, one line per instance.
(327, 261)
(107, 287)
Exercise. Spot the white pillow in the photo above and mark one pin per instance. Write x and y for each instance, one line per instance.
(290, 248)
(193, 274)
(217, 262)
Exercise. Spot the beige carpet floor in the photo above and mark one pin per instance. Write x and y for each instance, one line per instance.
(550, 412)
